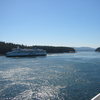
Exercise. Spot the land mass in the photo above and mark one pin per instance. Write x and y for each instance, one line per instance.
(98, 49)
(84, 49)
(6, 47)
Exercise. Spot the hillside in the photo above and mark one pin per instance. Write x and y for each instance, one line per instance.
(84, 49)
(5, 47)
(98, 49)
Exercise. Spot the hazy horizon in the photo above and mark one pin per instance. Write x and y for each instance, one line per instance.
(53, 45)
(71, 23)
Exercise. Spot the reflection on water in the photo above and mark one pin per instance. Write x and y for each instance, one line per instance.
(55, 77)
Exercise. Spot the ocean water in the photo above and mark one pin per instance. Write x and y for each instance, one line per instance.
(68, 76)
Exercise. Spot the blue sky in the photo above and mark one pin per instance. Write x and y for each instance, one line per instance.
(50, 22)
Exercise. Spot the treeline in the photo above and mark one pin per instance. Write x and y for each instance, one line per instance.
(52, 49)
(6, 47)
(98, 49)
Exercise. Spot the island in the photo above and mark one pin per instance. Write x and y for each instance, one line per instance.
(6, 47)
(98, 49)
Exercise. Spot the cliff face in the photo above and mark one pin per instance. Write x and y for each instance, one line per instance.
(5, 47)
(98, 49)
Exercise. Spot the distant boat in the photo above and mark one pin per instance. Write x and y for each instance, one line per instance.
(26, 52)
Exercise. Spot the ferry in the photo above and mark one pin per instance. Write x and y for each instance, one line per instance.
(26, 52)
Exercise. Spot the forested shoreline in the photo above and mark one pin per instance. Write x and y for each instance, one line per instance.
(98, 49)
(6, 47)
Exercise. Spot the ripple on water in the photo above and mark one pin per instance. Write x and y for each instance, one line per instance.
(55, 77)
(40, 93)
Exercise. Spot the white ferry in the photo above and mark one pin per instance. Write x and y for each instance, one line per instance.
(26, 52)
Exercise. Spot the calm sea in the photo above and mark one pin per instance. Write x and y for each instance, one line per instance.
(74, 76)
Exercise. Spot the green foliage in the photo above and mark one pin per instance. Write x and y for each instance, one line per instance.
(6, 47)
(98, 49)
(52, 49)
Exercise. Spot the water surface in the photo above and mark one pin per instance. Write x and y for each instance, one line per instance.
(74, 76)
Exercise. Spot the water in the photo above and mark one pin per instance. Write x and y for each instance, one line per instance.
(55, 77)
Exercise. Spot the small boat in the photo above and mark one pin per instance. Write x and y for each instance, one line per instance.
(26, 52)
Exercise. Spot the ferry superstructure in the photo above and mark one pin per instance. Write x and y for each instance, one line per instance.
(26, 52)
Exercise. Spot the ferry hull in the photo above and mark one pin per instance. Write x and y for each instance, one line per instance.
(26, 55)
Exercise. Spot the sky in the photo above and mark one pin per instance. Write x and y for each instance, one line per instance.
(72, 23)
